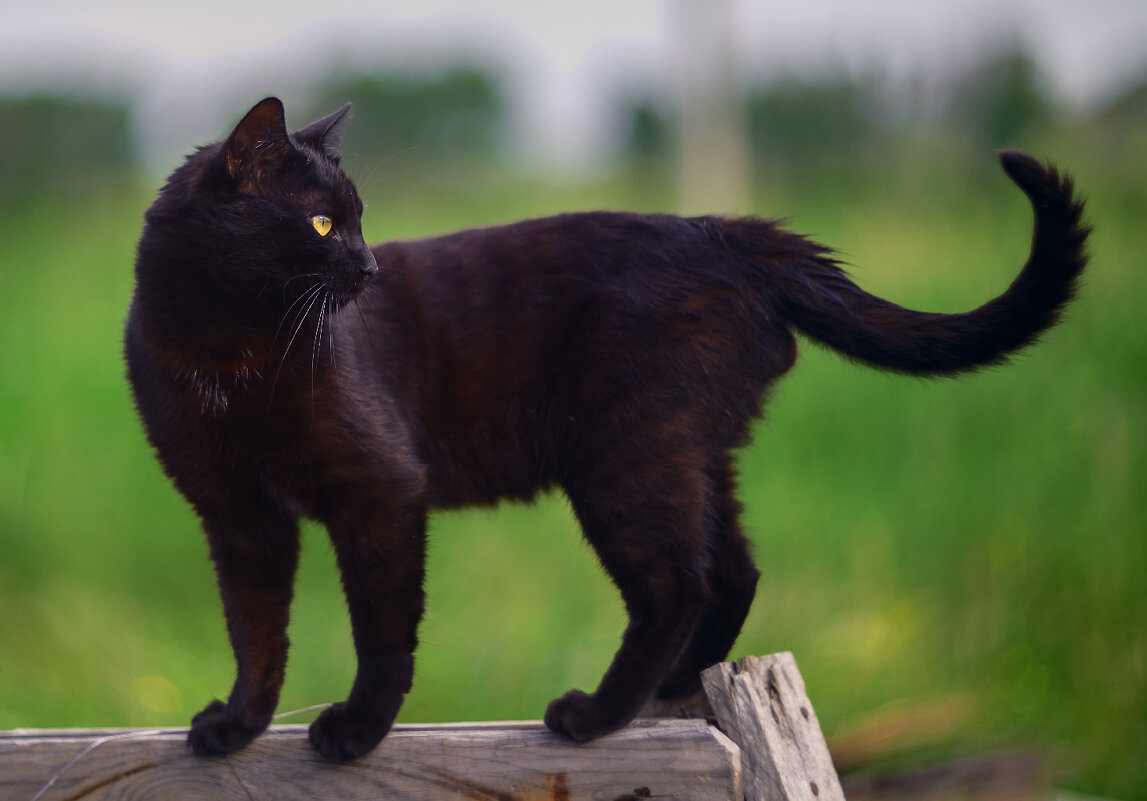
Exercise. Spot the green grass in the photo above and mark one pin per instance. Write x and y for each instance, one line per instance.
(977, 546)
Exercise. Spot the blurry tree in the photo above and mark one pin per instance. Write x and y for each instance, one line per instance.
(797, 123)
(793, 121)
(1001, 98)
(53, 143)
(420, 120)
(1116, 137)
(1118, 130)
(802, 121)
(648, 132)
(1127, 109)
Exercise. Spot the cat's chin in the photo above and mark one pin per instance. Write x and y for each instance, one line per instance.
(343, 290)
(341, 298)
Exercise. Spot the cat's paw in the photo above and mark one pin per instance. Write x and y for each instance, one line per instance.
(340, 734)
(217, 730)
(579, 716)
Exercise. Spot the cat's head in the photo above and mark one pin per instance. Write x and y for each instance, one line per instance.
(260, 221)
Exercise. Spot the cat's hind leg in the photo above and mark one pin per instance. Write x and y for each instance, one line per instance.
(732, 580)
(646, 522)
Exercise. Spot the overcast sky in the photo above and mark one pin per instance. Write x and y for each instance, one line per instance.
(193, 67)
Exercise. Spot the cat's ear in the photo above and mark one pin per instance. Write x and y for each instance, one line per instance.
(258, 143)
(325, 134)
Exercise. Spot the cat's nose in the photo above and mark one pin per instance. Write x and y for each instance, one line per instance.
(369, 266)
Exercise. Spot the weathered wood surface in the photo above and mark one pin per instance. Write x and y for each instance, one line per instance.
(773, 751)
(760, 702)
(485, 762)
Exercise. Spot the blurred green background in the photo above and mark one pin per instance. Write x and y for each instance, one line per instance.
(958, 566)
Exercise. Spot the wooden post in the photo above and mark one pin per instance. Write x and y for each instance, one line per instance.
(760, 702)
(773, 750)
(713, 153)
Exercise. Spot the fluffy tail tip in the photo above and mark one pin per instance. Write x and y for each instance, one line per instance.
(1040, 182)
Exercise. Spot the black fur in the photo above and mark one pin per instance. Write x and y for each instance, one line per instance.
(618, 356)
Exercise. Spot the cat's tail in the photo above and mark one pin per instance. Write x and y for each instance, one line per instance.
(818, 299)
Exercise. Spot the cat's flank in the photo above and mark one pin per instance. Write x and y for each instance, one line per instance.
(285, 369)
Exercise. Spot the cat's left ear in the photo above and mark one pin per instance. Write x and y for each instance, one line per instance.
(259, 142)
(325, 134)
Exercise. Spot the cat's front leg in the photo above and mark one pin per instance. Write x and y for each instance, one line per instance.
(382, 560)
(255, 550)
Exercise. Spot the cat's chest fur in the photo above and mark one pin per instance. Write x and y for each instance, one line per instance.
(278, 422)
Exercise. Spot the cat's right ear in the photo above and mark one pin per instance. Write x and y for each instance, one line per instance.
(258, 144)
(326, 133)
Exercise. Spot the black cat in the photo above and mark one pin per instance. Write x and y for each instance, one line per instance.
(284, 369)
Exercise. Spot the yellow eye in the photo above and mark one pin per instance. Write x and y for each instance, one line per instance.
(322, 224)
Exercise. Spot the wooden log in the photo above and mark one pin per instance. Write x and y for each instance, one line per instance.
(485, 762)
(774, 751)
(760, 702)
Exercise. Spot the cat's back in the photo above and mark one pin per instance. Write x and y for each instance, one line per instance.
(575, 306)
(623, 258)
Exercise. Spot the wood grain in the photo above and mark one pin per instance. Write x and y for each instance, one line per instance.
(773, 751)
(484, 762)
(760, 702)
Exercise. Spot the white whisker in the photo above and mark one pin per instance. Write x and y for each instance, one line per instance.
(315, 349)
(287, 283)
(331, 323)
(301, 319)
(305, 302)
(300, 299)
